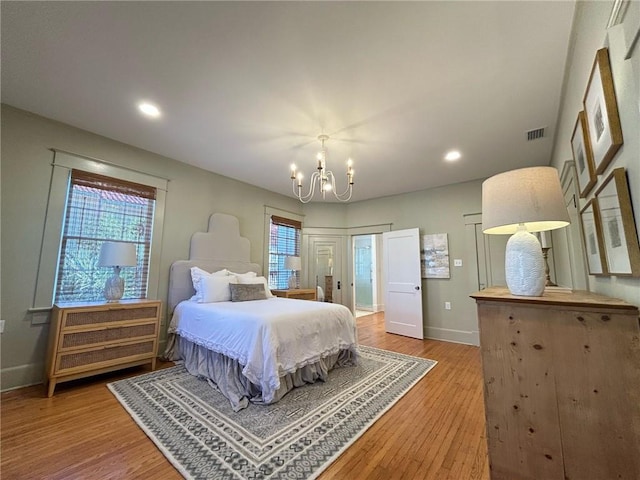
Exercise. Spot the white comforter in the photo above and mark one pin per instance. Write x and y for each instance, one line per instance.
(270, 337)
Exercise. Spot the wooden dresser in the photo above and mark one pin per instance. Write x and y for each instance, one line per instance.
(561, 385)
(90, 338)
(298, 293)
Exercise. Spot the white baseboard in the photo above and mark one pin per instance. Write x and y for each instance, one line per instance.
(21, 376)
(455, 336)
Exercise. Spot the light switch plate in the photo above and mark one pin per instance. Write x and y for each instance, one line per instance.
(447, 305)
(457, 262)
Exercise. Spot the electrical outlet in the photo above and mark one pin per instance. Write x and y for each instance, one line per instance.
(457, 262)
(1, 326)
(447, 305)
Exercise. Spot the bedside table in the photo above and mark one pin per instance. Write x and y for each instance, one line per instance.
(90, 338)
(297, 293)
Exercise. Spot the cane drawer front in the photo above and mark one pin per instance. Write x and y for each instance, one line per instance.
(83, 317)
(81, 360)
(105, 335)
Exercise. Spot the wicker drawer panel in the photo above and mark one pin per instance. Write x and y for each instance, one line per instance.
(75, 319)
(79, 339)
(73, 360)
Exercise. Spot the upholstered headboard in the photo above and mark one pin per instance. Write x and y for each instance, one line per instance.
(220, 247)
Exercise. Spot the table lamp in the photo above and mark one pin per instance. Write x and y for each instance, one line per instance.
(519, 202)
(294, 264)
(116, 255)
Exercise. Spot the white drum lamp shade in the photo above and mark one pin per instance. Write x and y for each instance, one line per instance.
(519, 202)
(116, 255)
(294, 264)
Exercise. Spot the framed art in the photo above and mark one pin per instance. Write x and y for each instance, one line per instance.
(620, 239)
(601, 111)
(434, 256)
(592, 231)
(582, 155)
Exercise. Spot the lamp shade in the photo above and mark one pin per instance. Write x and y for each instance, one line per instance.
(117, 254)
(293, 263)
(530, 196)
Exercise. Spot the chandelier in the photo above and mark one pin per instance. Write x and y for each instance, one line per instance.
(323, 179)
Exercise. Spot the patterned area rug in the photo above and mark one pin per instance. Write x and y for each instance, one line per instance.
(297, 438)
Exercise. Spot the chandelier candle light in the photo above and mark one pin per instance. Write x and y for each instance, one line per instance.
(519, 202)
(116, 255)
(323, 178)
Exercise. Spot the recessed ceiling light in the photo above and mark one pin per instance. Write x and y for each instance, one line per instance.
(149, 109)
(452, 155)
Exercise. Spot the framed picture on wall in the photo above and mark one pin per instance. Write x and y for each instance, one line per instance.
(434, 256)
(620, 243)
(582, 155)
(601, 110)
(592, 230)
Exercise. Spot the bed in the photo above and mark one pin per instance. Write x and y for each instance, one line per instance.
(255, 348)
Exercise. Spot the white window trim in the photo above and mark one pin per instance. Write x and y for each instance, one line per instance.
(63, 163)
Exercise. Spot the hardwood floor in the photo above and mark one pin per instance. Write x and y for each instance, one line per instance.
(436, 431)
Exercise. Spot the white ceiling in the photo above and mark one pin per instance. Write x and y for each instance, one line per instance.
(246, 87)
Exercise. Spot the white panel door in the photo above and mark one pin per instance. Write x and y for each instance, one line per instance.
(403, 309)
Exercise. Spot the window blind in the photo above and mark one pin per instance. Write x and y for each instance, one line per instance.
(99, 209)
(284, 241)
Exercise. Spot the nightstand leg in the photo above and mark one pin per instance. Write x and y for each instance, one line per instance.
(153, 363)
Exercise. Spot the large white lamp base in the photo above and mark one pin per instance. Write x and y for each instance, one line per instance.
(114, 287)
(293, 281)
(524, 264)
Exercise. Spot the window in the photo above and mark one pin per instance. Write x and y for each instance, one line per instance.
(284, 241)
(98, 209)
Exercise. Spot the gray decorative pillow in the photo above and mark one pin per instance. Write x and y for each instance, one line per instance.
(242, 292)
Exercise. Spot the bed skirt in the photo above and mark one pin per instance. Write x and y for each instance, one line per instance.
(225, 373)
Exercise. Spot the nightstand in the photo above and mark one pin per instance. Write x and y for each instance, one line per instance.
(297, 293)
(90, 338)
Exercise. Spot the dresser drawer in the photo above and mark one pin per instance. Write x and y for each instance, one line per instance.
(113, 333)
(110, 355)
(79, 318)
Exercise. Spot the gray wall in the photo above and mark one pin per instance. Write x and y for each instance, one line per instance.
(589, 35)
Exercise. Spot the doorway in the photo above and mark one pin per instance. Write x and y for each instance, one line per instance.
(366, 274)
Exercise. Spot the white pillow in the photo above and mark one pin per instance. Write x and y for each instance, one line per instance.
(247, 280)
(214, 288)
(198, 273)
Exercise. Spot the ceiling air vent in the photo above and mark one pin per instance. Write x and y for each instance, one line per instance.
(535, 134)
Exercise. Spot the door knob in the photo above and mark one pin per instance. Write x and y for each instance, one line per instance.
(416, 287)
